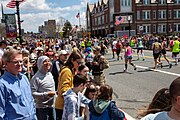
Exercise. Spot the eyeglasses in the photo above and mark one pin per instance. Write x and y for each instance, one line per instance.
(79, 62)
(16, 62)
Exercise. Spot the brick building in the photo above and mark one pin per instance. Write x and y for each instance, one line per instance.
(145, 16)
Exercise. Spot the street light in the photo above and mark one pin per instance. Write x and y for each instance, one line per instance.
(129, 20)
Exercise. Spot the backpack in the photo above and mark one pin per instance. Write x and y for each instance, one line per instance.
(103, 116)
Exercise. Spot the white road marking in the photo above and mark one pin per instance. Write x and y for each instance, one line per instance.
(156, 70)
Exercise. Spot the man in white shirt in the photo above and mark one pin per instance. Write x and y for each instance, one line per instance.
(174, 113)
(114, 47)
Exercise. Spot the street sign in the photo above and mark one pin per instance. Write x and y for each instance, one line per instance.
(140, 27)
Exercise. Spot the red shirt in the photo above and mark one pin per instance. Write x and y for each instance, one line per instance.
(118, 45)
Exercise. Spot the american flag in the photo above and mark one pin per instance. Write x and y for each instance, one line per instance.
(78, 15)
(119, 20)
(12, 3)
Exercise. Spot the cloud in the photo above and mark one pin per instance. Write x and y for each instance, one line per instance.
(35, 12)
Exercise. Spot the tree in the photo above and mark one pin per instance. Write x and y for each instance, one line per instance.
(67, 29)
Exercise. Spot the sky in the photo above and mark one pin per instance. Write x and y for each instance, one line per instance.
(35, 12)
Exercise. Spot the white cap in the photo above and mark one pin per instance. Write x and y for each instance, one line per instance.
(63, 52)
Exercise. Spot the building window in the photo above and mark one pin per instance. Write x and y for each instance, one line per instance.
(138, 15)
(146, 2)
(111, 7)
(146, 15)
(99, 20)
(169, 14)
(102, 19)
(146, 28)
(125, 2)
(154, 14)
(161, 28)
(162, 14)
(106, 18)
(88, 20)
(162, 2)
(154, 28)
(170, 29)
(177, 27)
(176, 13)
(177, 1)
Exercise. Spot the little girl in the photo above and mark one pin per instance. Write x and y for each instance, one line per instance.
(103, 108)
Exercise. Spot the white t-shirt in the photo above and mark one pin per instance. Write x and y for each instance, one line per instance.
(157, 116)
(114, 44)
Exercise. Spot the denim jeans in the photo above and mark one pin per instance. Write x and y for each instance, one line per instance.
(45, 113)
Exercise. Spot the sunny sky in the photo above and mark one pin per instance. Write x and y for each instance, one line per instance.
(35, 12)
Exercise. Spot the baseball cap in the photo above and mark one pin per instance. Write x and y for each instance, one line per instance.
(88, 49)
(63, 52)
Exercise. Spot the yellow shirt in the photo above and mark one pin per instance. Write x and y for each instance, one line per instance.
(65, 82)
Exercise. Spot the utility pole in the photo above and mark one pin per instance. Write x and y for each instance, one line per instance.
(19, 22)
(13, 4)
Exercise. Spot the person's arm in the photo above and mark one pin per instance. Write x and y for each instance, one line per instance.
(153, 46)
(2, 101)
(70, 110)
(65, 80)
(115, 113)
(84, 99)
(34, 88)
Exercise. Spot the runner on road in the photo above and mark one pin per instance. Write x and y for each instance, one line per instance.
(163, 52)
(175, 49)
(128, 57)
(140, 48)
(156, 47)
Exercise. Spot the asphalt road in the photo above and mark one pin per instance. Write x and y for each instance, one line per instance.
(135, 89)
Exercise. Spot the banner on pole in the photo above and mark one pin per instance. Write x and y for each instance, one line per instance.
(11, 28)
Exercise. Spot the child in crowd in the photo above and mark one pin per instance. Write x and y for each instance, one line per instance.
(103, 108)
(73, 97)
(90, 93)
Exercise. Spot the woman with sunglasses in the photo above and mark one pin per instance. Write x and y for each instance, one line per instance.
(65, 80)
